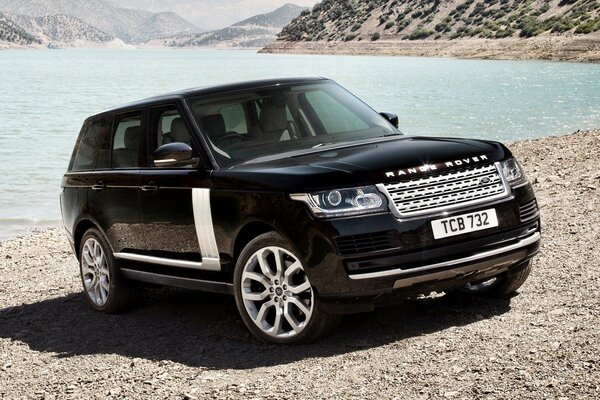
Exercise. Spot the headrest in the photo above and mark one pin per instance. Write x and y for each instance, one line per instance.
(273, 117)
(213, 125)
(179, 132)
(131, 138)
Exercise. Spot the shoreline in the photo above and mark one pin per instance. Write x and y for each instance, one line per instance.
(548, 48)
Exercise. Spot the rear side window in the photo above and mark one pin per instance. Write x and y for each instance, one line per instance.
(93, 147)
(126, 141)
(234, 118)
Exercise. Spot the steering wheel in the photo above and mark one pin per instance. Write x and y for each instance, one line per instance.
(229, 136)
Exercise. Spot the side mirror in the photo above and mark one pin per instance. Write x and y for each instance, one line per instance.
(176, 154)
(391, 118)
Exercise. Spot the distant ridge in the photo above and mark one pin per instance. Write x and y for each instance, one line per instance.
(12, 33)
(256, 31)
(62, 29)
(130, 25)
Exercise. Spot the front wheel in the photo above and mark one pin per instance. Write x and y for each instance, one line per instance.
(274, 296)
(501, 285)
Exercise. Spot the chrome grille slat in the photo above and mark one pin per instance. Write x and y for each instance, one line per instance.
(445, 190)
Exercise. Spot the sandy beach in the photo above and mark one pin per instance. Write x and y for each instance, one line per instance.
(542, 343)
(545, 47)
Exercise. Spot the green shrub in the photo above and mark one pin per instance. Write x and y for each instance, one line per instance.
(389, 24)
(375, 36)
(587, 27)
(420, 33)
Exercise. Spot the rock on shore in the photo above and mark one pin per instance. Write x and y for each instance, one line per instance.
(543, 343)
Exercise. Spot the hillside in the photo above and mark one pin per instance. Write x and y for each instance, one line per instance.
(132, 26)
(62, 29)
(13, 34)
(256, 31)
(275, 19)
(372, 20)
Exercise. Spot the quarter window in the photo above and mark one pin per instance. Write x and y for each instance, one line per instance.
(93, 147)
(126, 141)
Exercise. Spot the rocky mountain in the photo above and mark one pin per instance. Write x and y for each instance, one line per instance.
(371, 20)
(274, 19)
(130, 25)
(257, 31)
(58, 30)
(13, 34)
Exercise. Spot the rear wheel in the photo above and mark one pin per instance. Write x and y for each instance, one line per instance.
(499, 286)
(274, 296)
(104, 287)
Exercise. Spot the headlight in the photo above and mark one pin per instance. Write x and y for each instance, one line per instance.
(512, 172)
(343, 202)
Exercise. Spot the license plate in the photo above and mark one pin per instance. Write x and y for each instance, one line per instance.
(464, 223)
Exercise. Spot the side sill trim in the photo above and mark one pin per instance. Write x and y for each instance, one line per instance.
(399, 271)
(186, 283)
(208, 264)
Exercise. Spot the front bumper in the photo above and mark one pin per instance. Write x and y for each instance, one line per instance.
(410, 261)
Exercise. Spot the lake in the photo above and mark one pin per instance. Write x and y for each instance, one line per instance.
(46, 94)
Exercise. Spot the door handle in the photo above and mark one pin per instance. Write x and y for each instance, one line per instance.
(150, 187)
(99, 186)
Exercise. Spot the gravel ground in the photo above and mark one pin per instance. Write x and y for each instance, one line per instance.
(542, 343)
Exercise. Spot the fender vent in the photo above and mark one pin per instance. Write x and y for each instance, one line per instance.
(355, 244)
(529, 211)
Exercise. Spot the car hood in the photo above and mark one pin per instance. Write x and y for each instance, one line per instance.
(360, 164)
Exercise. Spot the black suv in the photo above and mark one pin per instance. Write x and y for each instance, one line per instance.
(297, 198)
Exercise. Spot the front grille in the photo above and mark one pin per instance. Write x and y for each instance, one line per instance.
(367, 242)
(529, 211)
(446, 190)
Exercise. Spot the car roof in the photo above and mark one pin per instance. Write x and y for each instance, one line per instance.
(209, 90)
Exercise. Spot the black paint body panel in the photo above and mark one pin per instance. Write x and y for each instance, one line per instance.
(149, 211)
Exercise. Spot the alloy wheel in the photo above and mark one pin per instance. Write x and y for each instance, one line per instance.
(276, 292)
(95, 272)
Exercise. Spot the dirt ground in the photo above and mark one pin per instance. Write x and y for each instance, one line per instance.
(177, 344)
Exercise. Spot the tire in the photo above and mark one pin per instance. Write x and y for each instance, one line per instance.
(104, 287)
(275, 299)
(502, 285)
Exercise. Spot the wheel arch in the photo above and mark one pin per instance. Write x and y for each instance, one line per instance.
(82, 226)
(247, 233)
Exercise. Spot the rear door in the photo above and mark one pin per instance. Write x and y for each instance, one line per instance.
(178, 231)
(114, 196)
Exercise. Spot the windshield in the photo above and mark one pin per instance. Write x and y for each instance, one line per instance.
(264, 122)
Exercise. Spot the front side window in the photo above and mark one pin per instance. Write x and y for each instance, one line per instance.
(273, 121)
(93, 147)
(126, 141)
(166, 125)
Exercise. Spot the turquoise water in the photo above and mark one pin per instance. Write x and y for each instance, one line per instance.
(46, 95)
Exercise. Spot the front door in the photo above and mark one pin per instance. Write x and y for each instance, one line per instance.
(177, 225)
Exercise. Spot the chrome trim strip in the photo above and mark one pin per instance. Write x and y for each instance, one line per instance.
(205, 230)
(522, 243)
(162, 261)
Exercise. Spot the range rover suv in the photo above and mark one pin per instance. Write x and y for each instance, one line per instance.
(296, 198)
